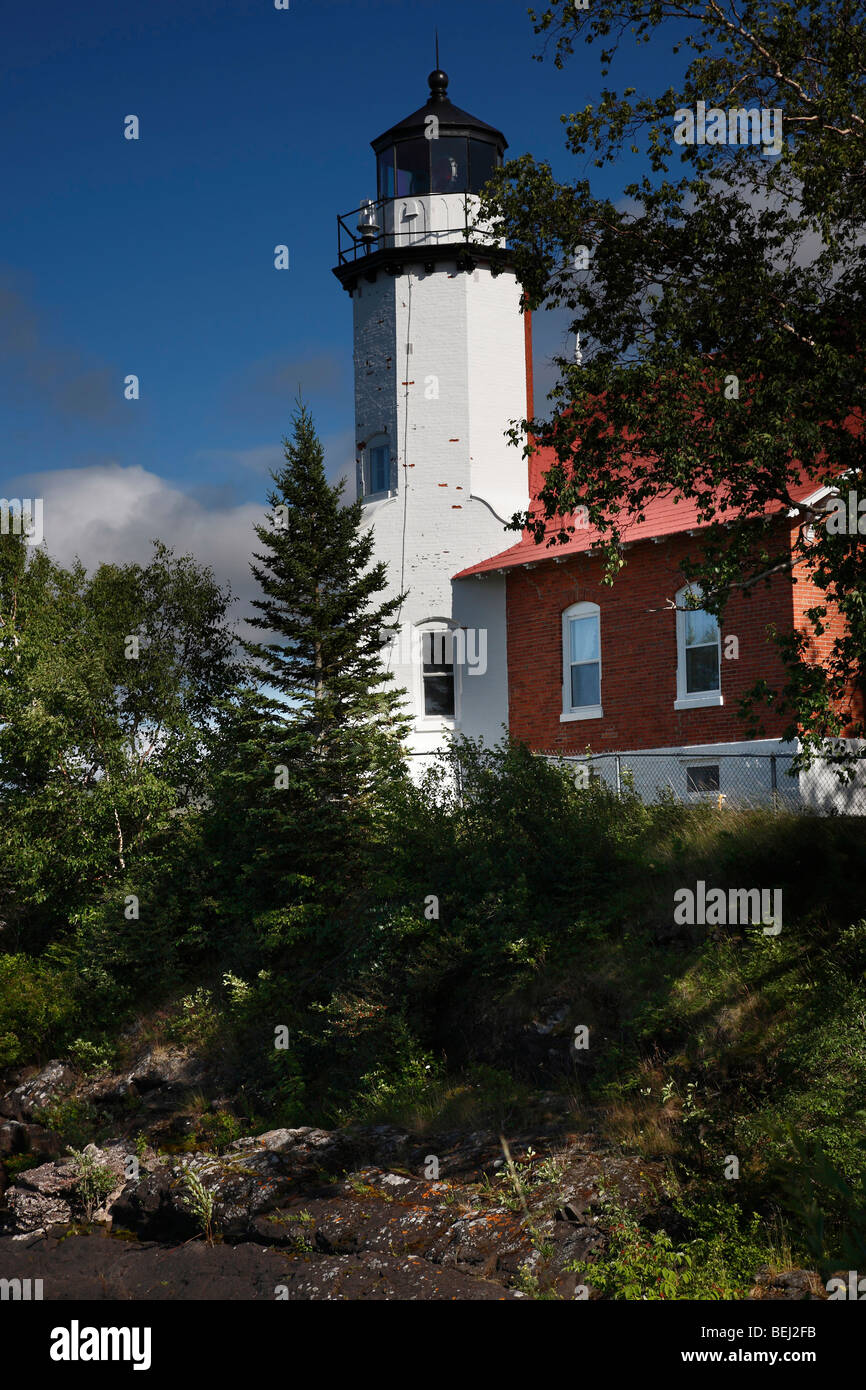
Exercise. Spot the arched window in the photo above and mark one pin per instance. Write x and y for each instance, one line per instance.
(698, 653)
(581, 662)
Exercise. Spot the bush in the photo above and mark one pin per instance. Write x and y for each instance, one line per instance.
(37, 1008)
(638, 1264)
(95, 1180)
(74, 1121)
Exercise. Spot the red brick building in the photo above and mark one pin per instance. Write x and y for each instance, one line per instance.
(625, 668)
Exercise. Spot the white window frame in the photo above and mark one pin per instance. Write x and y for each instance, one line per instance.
(570, 712)
(697, 699)
(429, 721)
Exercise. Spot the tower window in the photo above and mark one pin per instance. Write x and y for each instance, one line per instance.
(702, 652)
(438, 673)
(378, 469)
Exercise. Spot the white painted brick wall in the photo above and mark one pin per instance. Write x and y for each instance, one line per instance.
(458, 479)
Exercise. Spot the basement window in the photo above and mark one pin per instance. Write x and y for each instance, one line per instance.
(703, 779)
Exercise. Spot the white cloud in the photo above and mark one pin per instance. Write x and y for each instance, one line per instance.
(106, 513)
(109, 514)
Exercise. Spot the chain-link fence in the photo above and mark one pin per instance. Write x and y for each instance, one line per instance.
(723, 778)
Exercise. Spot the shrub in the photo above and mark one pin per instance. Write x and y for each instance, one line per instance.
(95, 1180)
(638, 1264)
(74, 1121)
(37, 1008)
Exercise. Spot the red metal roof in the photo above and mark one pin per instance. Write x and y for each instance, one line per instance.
(662, 516)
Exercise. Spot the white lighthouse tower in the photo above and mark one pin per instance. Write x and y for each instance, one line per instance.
(442, 360)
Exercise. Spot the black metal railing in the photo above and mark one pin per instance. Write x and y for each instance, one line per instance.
(366, 230)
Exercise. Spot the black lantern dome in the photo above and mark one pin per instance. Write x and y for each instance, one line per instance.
(438, 149)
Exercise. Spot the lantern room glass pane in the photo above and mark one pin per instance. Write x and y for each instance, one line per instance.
(483, 159)
(413, 167)
(385, 167)
(448, 156)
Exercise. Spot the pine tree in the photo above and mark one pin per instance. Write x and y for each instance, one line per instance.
(334, 726)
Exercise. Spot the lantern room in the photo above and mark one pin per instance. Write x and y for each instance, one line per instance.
(430, 169)
(438, 149)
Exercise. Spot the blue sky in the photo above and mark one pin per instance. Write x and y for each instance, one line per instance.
(155, 256)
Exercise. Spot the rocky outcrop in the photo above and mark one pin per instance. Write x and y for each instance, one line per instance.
(165, 1068)
(17, 1138)
(26, 1101)
(796, 1284)
(51, 1195)
(363, 1213)
(307, 1213)
(42, 1198)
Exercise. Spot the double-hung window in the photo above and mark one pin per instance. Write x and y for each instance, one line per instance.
(437, 672)
(581, 664)
(698, 653)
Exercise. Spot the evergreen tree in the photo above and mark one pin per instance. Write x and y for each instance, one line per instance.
(311, 744)
(320, 588)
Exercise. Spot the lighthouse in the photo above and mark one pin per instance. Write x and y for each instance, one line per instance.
(442, 366)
